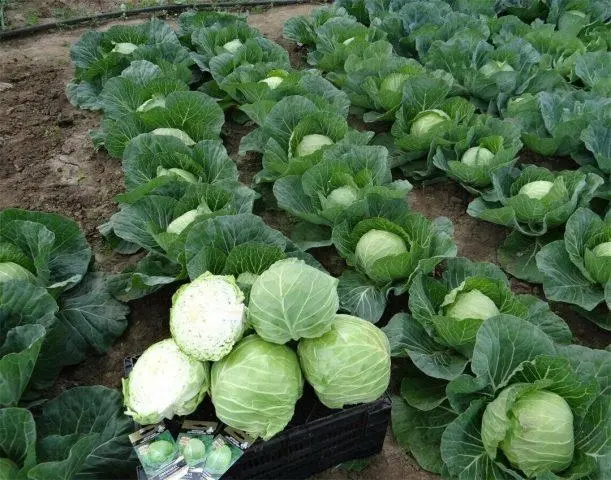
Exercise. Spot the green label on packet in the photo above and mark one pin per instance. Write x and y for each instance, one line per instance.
(158, 453)
(195, 443)
(227, 448)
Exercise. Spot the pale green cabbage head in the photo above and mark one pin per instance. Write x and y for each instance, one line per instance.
(233, 45)
(537, 189)
(602, 250)
(184, 382)
(13, 271)
(178, 173)
(124, 48)
(175, 132)
(473, 304)
(208, 316)
(494, 66)
(477, 157)
(340, 197)
(347, 365)
(292, 300)
(219, 460)
(375, 245)
(180, 223)
(312, 143)
(272, 82)
(533, 428)
(427, 120)
(255, 387)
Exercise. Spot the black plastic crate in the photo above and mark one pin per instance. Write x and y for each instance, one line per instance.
(317, 438)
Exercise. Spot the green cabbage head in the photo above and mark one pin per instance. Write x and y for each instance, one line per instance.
(292, 300)
(532, 427)
(312, 143)
(537, 189)
(427, 120)
(255, 387)
(233, 45)
(347, 365)
(176, 133)
(194, 451)
(493, 67)
(159, 452)
(477, 156)
(163, 383)
(376, 245)
(208, 316)
(473, 304)
(13, 271)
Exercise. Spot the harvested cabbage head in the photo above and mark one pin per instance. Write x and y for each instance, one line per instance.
(256, 386)
(292, 300)
(534, 429)
(473, 304)
(177, 172)
(175, 132)
(477, 157)
(537, 189)
(208, 316)
(219, 460)
(376, 245)
(349, 364)
(312, 143)
(13, 271)
(493, 67)
(163, 383)
(233, 46)
(272, 82)
(427, 120)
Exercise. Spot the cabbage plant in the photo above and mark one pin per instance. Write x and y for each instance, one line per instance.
(526, 407)
(374, 78)
(387, 246)
(349, 364)
(577, 268)
(97, 57)
(309, 313)
(490, 144)
(337, 38)
(346, 174)
(429, 116)
(208, 316)
(257, 88)
(534, 199)
(256, 386)
(185, 115)
(446, 314)
(294, 135)
(164, 382)
(302, 29)
(54, 309)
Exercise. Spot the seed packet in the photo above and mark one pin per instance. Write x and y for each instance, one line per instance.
(195, 443)
(227, 448)
(158, 453)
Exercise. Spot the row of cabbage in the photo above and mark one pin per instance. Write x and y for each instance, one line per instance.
(55, 310)
(493, 389)
(549, 97)
(252, 294)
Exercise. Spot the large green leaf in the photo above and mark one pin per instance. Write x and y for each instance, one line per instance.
(360, 297)
(18, 436)
(18, 356)
(83, 435)
(408, 338)
(503, 343)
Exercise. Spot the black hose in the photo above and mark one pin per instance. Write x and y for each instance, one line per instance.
(25, 31)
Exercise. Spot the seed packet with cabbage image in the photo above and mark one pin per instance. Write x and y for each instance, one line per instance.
(158, 453)
(227, 448)
(195, 442)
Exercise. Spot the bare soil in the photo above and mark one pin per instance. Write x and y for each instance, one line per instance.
(47, 162)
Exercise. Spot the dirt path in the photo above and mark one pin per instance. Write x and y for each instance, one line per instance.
(47, 162)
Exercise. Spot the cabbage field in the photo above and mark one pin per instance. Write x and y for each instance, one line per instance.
(402, 196)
